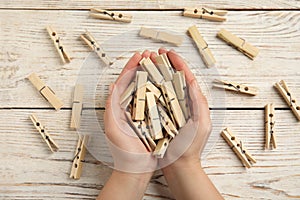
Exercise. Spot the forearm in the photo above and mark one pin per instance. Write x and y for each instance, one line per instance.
(123, 186)
(187, 180)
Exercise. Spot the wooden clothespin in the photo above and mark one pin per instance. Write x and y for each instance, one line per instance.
(79, 157)
(141, 130)
(173, 104)
(148, 136)
(269, 126)
(205, 13)
(126, 97)
(181, 92)
(167, 123)
(94, 46)
(109, 15)
(45, 91)
(44, 133)
(288, 97)
(239, 43)
(161, 147)
(237, 146)
(154, 75)
(161, 36)
(165, 66)
(153, 117)
(204, 51)
(140, 96)
(58, 45)
(146, 133)
(77, 107)
(158, 95)
(235, 87)
(145, 130)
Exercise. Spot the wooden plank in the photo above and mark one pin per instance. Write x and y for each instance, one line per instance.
(28, 49)
(265, 179)
(150, 4)
(273, 177)
(22, 146)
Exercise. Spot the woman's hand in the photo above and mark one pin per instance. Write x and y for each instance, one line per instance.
(181, 165)
(129, 153)
(188, 145)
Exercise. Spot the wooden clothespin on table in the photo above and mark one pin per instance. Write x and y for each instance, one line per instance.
(140, 96)
(109, 15)
(204, 51)
(237, 146)
(94, 46)
(44, 133)
(228, 85)
(205, 13)
(288, 97)
(269, 126)
(45, 91)
(58, 45)
(77, 107)
(161, 36)
(239, 43)
(79, 157)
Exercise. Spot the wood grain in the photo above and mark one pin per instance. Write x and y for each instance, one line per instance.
(28, 48)
(149, 4)
(30, 171)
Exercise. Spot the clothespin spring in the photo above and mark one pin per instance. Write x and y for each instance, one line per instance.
(77, 157)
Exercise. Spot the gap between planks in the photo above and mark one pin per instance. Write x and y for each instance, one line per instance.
(151, 9)
(101, 108)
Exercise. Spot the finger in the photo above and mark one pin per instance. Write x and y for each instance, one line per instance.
(132, 63)
(199, 103)
(153, 55)
(179, 64)
(146, 54)
(162, 50)
(110, 91)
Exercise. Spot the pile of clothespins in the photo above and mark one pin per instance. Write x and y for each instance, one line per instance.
(156, 104)
(162, 94)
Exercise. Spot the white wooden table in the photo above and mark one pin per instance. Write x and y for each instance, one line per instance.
(29, 171)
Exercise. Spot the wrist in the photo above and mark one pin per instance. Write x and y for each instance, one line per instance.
(140, 179)
(183, 164)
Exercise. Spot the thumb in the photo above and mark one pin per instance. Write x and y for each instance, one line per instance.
(110, 91)
(199, 103)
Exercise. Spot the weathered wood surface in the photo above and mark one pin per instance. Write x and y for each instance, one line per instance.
(30, 171)
(150, 4)
(27, 48)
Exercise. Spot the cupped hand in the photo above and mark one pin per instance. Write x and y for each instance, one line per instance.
(188, 145)
(129, 153)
